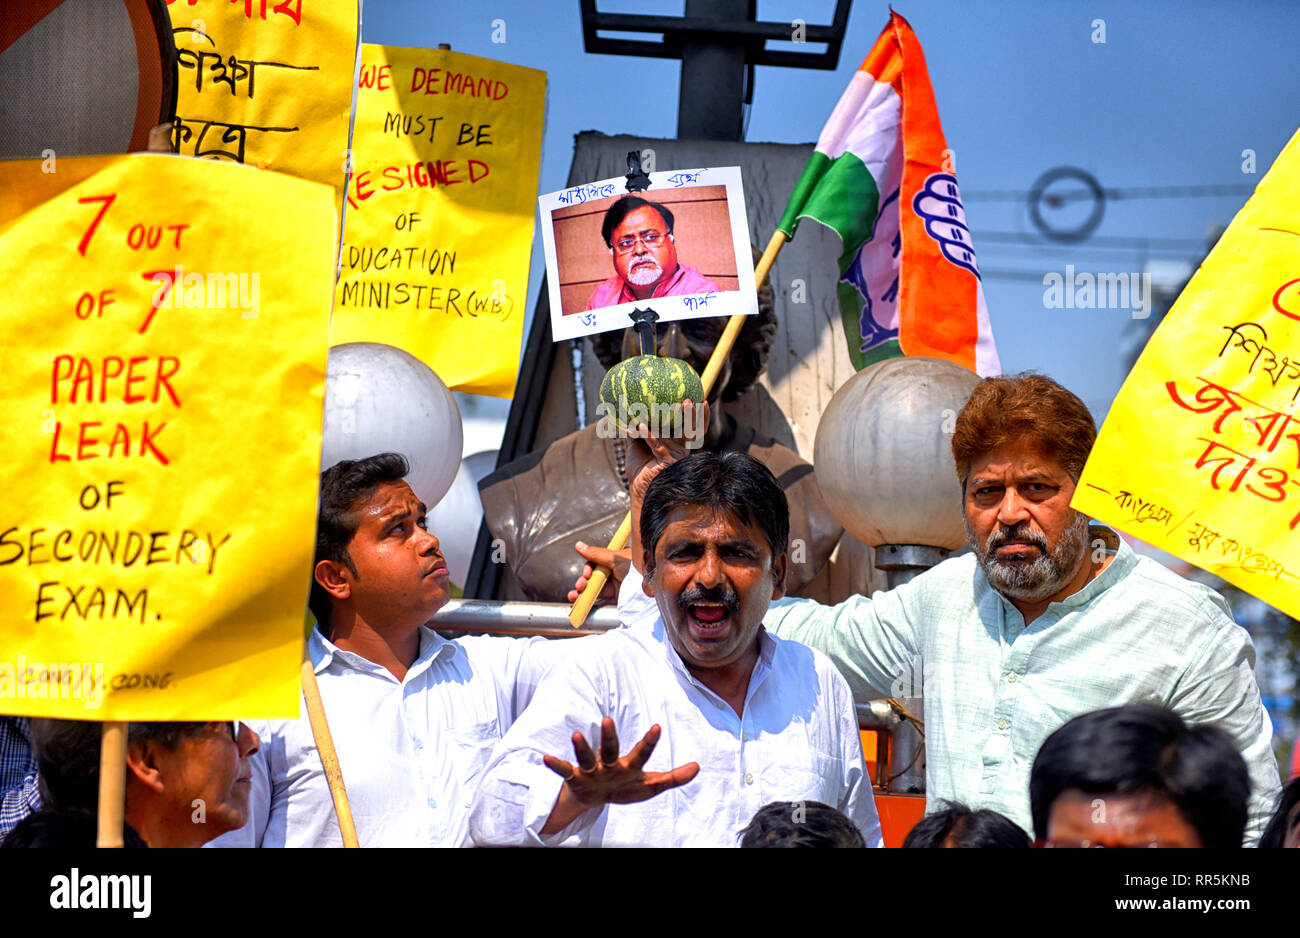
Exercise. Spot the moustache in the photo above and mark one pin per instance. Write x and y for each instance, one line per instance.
(1018, 534)
(724, 596)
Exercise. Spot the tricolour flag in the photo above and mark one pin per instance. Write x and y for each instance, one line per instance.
(881, 177)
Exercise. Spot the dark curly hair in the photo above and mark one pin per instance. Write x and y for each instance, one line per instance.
(748, 357)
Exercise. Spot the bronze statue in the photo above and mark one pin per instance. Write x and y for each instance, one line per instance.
(541, 504)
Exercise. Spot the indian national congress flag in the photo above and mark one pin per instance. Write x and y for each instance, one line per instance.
(880, 178)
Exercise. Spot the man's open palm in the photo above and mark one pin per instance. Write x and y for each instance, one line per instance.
(611, 780)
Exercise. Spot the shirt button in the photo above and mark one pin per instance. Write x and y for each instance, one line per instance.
(419, 744)
(1012, 678)
(1002, 724)
(749, 779)
(433, 802)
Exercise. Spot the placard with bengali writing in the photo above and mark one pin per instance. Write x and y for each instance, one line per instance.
(164, 363)
(1200, 454)
(267, 83)
(439, 224)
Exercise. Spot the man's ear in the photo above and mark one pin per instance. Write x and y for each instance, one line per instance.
(329, 574)
(142, 762)
(648, 574)
(779, 566)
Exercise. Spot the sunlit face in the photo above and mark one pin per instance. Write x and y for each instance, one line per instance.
(401, 576)
(207, 778)
(1139, 819)
(643, 265)
(1028, 539)
(713, 578)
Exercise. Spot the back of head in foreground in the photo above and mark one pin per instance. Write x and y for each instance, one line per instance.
(800, 824)
(1284, 828)
(958, 826)
(1138, 776)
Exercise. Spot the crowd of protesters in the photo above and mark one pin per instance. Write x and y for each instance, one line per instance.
(1076, 693)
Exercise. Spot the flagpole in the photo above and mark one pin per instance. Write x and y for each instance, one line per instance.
(600, 576)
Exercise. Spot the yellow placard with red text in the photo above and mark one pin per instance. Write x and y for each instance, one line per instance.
(164, 362)
(1200, 454)
(267, 83)
(438, 230)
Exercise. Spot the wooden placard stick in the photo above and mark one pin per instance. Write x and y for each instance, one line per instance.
(112, 785)
(329, 757)
(600, 576)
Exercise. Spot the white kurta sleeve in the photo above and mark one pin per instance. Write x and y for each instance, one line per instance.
(518, 791)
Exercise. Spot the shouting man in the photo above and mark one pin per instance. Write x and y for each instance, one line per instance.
(745, 718)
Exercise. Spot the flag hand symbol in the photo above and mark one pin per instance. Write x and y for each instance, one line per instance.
(939, 203)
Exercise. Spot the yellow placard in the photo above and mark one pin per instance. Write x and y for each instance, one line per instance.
(164, 364)
(439, 224)
(267, 83)
(1200, 454)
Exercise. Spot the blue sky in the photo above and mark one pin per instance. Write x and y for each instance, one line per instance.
(1172, 97)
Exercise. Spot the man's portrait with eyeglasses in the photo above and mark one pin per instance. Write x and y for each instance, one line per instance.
(680, 248)
(643, 247)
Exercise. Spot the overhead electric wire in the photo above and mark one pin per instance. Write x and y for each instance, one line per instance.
(1131, 192)
(1172, 244)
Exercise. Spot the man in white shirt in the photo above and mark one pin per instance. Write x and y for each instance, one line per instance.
(412, 715)
(759, 719)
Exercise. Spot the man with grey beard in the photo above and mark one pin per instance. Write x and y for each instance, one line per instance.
(643, 248)
(1047, 618)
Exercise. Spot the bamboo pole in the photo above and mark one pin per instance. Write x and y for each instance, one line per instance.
(329, 758)
(600, 576)
(112, 785)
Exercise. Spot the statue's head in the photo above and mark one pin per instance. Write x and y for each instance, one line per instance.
(693, 341)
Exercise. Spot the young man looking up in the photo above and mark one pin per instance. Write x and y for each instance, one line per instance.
(412, 715)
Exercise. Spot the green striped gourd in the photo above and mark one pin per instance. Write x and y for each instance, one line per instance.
(655, 383)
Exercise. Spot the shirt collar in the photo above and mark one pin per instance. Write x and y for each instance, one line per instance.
(1123, 560)
(432, 647)
(766, 652)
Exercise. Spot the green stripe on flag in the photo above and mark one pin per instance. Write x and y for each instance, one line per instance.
(840, 194)
(808, 179)
(851, 312)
